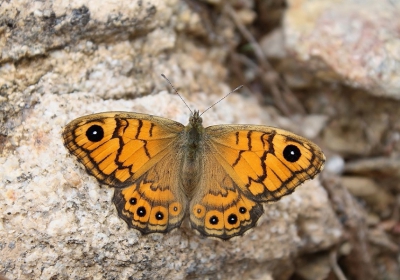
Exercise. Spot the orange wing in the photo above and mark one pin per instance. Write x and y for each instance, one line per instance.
(154, 202)
(135, 153)
(265, 162)
(243, 166)
(118, 147)
(219, 208)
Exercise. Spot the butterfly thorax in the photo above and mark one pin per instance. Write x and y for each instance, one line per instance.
(194, 145)
(194, 135)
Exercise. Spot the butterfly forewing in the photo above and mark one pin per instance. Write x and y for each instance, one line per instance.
(136, 154)
(265, 162)
(118, 147)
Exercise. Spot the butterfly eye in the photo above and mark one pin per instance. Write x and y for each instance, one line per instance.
(199, 211)
(291, 153)
(141, 211)
(214, 220)
(232, 219)
(159, 216)
(133, 201)
(95, 133)
(175, 208)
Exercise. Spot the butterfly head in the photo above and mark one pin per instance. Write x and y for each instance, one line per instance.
(195, 121)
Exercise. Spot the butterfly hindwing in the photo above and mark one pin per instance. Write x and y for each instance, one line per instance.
(153, 203)
(219, 208)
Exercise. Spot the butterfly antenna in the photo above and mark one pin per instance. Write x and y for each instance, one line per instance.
(239, 87)
(176, 92)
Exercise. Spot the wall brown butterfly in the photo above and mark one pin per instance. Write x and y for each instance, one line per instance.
(218, 176)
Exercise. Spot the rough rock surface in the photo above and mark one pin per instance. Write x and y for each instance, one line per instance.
(58, 222)
(353, 42)
(64, 59)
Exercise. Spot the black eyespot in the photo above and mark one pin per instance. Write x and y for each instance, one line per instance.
(198, 210)
(95, 133)
(159, 216)
(214, 220)
(242, 210)
(175, 208)
(133, 201)
(291, 153)
(232, 219)
(141, 211)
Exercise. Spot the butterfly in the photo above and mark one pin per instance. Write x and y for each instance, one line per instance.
(217, 176)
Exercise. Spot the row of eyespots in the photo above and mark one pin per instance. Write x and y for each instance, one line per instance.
(174, 209)
(232, 218)
(199, 211)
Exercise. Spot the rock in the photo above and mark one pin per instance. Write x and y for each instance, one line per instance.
(273, 44)
(51, 203)
(351, 42)
(343, 136)
(67, 59)
(335, 164)
(350, 137)
(379, 166)
(377, 198)
(118, 51)
(315, 267)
